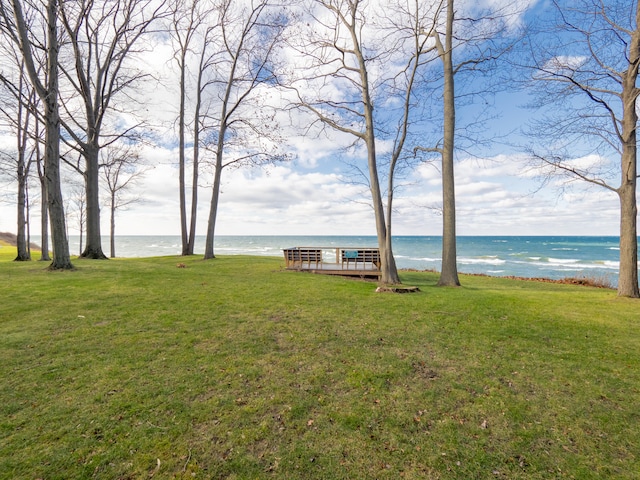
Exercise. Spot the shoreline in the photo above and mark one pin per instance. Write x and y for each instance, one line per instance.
(584, 281)
(10, 240)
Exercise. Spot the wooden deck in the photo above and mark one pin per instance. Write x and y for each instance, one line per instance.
(347, 261)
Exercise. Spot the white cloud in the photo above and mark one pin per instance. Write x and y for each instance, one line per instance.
(288, 200)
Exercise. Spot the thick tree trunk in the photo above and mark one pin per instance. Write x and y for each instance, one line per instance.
(628, 276)
(392, 278)
(93, 247)
(449, 273)
(61, 257)
(388, 269)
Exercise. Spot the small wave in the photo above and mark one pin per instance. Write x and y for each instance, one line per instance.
(563, 261)
(584, 266)
(427, 259)
(483, 261)
(567, 265)
(248, 250)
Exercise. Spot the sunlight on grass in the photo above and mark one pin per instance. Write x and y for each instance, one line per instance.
(236, 368)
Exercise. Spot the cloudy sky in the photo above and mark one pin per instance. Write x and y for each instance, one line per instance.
(497, 193)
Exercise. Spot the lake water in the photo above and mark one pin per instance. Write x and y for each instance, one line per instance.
(549, 257)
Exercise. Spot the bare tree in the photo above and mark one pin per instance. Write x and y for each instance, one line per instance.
(344, 56)
(76, 208)
(244, 131)
(17, 113)
(191, 31)
(478, 39)
(586, 66)
(25, 160)
(354, 64)
(102, 35)
(22, 112)
(449, 271)
(120, 171)
(18, 30)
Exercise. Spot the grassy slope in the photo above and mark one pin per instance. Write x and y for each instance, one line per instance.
(234, 368)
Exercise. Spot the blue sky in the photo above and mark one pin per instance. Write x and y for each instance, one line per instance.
(497, 193)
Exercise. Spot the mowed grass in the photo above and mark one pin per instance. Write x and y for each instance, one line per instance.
(235, 368)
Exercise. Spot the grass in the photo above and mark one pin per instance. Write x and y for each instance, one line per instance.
(235, 368)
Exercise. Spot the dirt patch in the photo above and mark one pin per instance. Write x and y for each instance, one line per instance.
(396, 289)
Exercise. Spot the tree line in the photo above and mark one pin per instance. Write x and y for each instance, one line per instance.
(387, 77)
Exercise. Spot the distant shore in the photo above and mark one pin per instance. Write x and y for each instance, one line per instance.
(9, 238)
(12, 240)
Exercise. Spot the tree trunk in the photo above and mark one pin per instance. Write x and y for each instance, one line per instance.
(44, 219)
(44, 211)
(213, 209)
(391, 261)
(21, 240)
(196, 162)
(93, 248)
(61, 257)
(449, 273)
(194, 208)
(388, 271)
(49, 96)
(182, 160)
(628, 276)
(22, 135)
(112, 230)
(28, 223)
(215, 195)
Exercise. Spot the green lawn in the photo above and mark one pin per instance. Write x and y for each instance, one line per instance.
(235, 368)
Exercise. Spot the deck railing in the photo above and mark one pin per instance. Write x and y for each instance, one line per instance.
(334, 260)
